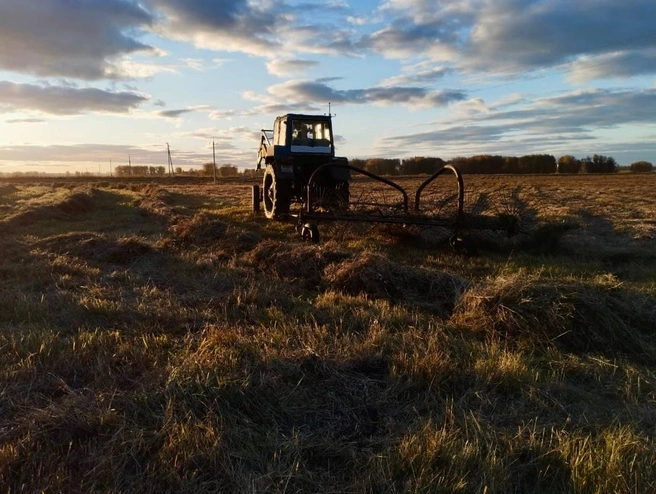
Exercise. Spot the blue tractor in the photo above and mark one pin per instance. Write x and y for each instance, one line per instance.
(290, 154)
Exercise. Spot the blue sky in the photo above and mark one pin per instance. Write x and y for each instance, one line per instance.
(86, 81)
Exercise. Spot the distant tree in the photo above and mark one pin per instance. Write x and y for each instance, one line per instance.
(420, 165)
(208, 169)
(357, 162)
(599, 164)
(511, 164)
(123, 171)
(482, 163)
(641, 167)
(537, 163)
(227, 171)
(568, 164)
(383, 166)
(252, 173)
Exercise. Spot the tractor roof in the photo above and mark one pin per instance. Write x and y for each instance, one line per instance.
(298, 116)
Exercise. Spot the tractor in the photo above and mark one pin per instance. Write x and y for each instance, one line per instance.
(290, 153)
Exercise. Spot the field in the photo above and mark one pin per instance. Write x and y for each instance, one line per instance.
(159, 337)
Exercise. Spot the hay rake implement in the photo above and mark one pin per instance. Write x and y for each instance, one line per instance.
(443, 212)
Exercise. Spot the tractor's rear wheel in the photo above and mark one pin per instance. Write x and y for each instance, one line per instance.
(276, 194)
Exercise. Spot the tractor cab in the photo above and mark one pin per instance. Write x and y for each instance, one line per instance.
(294, 134)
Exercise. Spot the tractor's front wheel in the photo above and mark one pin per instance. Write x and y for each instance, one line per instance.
(276, 194)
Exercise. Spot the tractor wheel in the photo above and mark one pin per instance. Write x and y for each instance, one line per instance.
(276, 195)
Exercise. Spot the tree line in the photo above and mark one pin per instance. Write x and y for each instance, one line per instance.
(495, 164)
(139, 171)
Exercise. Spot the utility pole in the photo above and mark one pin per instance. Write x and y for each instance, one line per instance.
(213, 161)
(110, 167)
(129, 165)
(168, 150)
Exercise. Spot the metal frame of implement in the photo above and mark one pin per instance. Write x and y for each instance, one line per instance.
(309, 214)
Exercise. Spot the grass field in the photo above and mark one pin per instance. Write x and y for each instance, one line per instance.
(161, 338)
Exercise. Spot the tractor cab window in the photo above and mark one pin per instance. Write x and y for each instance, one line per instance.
(311, 136)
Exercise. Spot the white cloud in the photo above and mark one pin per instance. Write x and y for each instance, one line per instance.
(84, 40)
(289, 67)
(305, 92)
(61, 100)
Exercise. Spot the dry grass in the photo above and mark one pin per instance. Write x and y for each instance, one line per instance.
(160, 338)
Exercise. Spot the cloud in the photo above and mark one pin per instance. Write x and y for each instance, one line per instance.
(405, 39)
(523, 34)
(296, 91)
(214, 114)
(129, 69)
(237, 25)
(92, 153)
(565, 123)
(226, 138)
(77, 156)
(422, 73)
(267, 28)
(175, 113)
(289, 67)
(514, 36)
(25, 120)
(83, 40)
(61, 100)
(617, 65)
(222, 114)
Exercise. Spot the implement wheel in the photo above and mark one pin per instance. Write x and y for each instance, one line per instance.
(343, 195)
(276, 195)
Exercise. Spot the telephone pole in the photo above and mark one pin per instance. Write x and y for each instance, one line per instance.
(213, 161)
(168, 151)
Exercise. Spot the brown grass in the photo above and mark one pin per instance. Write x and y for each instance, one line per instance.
(163, 339)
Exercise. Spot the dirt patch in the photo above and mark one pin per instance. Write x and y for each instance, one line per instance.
(96, 247)
(379, 278)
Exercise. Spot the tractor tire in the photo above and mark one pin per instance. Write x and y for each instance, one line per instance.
(276, 195)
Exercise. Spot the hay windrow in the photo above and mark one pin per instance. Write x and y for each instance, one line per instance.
(156, 201)
(97, 247)
(293, 261)
(76, 204)
(575, 316)
(7, 189)
(198, 230)
(379, 278)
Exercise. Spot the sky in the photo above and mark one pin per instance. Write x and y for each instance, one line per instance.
(87, 82)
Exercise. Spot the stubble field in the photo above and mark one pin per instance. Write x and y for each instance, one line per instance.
(159, 337)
